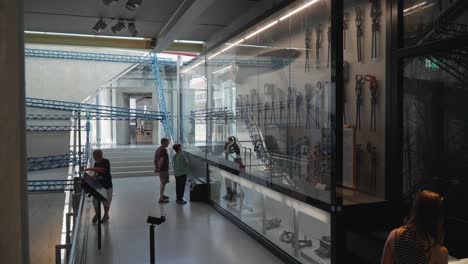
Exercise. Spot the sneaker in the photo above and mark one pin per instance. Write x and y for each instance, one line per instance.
(95, 219)
(181, 202)
(163, 201)
(165, 197)
(105, 219)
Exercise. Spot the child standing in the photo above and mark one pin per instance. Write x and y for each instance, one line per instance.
(180, 173)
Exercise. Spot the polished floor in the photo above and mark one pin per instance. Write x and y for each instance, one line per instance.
(193, 233)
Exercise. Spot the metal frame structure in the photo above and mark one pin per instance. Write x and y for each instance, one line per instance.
(88, 56)
(52, 128)
(49, 185)
(96, 111)
(52, 162)
(161, 97)
(48, 117)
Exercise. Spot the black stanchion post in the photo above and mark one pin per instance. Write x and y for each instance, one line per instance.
(99, 223)
(154, 221)
(152, 258)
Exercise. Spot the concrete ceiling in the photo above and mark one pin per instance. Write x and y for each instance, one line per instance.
(79, 16)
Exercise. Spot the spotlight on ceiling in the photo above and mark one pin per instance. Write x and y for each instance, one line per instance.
(132, 28)
(99, 26)
(108, 2)
(118, 27)
(133, 4)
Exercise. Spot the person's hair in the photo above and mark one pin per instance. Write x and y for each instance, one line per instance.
(164, 140)
(427, 214)
(97, 153)
(176, 147)
(232, 138)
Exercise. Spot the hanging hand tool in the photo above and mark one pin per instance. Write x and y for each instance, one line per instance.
(308, 46)
(317, 161)
(359, 33)
(308, 97)
(290, 101)
(265, 116)
(372, 150)
(375, 15)
(345, 27)
(318, 105)
(247, 106)
(239, 106)
(318, 42)
(373, 89)
(345, 79)
(329, 45)
(281, 104)
(359, 84)
(270, 90)
(299, 99)
(357, 166)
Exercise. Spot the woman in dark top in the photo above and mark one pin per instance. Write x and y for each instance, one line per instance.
(420, 240)
(102, 172)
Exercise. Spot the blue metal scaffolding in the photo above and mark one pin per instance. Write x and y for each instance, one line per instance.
(50, 185)
(88, 56)
(161, 97)
(95, 111)
(48, 117)
(52, 162)
(52, 128)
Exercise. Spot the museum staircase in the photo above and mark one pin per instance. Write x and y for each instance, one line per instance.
(129, 161)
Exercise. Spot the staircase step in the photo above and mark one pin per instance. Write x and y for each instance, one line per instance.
(129, 174)
(130, 168)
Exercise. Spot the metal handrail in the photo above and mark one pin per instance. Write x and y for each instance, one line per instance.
(76, 230)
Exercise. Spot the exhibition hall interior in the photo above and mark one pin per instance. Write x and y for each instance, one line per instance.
(307, 128)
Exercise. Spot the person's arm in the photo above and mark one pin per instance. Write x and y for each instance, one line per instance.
(387, 256)
(96, 170)
(439, 255)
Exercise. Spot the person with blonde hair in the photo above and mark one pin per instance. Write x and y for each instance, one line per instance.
(420, 240)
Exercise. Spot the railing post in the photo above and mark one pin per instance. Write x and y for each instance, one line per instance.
(58, 252)
(68, 226)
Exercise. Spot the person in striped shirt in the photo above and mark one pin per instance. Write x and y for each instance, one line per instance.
(420, 240)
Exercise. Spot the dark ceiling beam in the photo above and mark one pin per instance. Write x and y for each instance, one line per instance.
(185, 16)
(144, 44)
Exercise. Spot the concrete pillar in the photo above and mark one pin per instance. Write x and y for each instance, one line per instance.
(98, 122)
(14, 242)
(156, 124)
(122, 126)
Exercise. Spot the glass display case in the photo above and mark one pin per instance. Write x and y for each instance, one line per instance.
(265, 121)
(301, 230)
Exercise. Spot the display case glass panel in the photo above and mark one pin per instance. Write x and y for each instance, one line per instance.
(275, 216)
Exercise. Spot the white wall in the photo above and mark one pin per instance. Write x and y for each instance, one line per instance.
(66, 79)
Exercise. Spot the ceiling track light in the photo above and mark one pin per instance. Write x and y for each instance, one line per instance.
(118, 27)
(132, 28)
(99, 26)
(133, 4)
(108, 2)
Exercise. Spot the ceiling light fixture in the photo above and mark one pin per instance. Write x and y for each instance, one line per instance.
(262, 29)
(118, 27)
(276, 21)
(108, 2)
(99, 26)
(186, 70)
(414, 7)
(132, 28)
(133, 4)
(297, 10)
